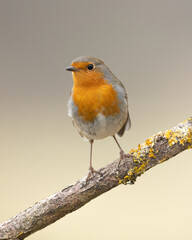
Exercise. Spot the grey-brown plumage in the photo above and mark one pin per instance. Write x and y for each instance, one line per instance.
(86, 69)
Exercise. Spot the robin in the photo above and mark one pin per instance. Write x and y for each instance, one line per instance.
(98, 104)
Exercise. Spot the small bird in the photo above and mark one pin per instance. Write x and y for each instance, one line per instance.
(98, 104)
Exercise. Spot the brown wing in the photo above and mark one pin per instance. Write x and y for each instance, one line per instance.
(127, 126)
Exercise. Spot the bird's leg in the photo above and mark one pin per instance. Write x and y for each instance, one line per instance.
(91, 169)
(122, 154)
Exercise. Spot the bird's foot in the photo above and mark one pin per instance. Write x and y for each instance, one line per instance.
(123, 157)
(92, 173)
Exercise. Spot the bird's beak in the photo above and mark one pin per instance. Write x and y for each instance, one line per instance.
(72, 69)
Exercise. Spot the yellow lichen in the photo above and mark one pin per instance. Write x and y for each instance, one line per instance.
(162, 160)
(189, 137)
(171, 142)
(181, 135)
(125, 180)
(168, 134)
(151, 153)
(138, 160)
(136, 152)
(181, 141)
(140, 169)
(19, 235)
(120, 181)
(132, 151)
(149, 141)
(172, 137)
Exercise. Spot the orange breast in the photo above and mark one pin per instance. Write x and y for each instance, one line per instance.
(94, 99)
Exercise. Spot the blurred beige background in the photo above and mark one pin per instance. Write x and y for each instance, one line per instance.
(148, 45)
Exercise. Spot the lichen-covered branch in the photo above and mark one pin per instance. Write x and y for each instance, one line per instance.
(155, 150)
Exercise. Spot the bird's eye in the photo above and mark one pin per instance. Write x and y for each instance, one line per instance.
(90, 66)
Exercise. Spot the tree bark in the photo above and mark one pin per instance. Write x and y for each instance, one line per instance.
(157, 149)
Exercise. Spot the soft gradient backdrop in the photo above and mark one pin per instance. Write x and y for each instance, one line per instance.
(148, 46)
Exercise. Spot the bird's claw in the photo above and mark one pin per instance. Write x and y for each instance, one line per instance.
(123, 157)
(92, 173)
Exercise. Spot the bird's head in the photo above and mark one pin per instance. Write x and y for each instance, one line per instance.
(88, 71)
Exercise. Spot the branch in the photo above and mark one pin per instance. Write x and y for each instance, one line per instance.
(155, 150)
